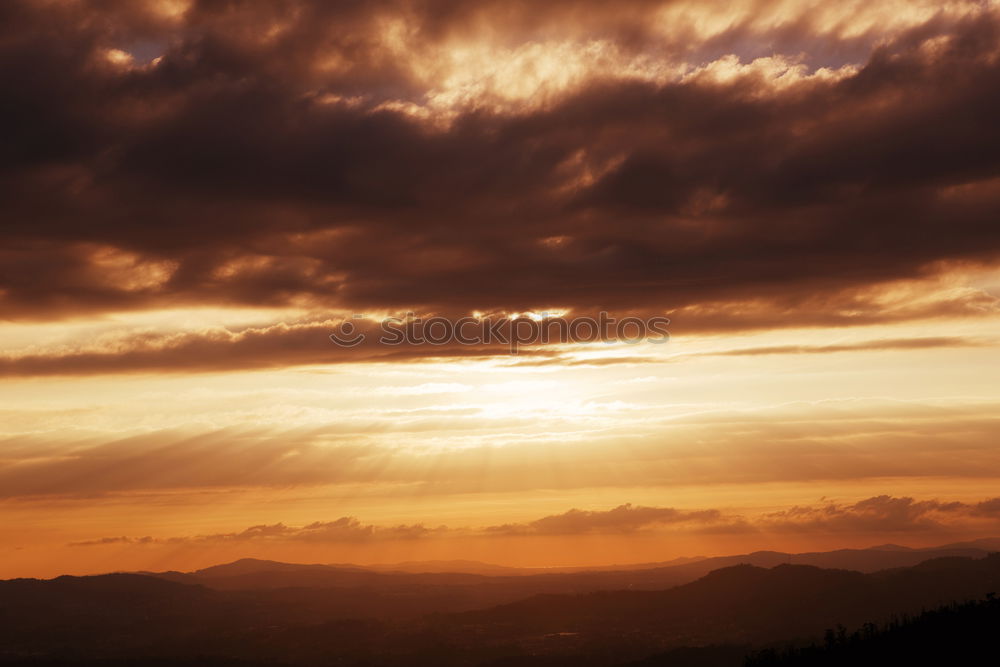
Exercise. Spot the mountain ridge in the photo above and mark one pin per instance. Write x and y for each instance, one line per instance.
(125, 615)
(865, 559)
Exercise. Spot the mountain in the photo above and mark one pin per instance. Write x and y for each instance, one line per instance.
(138, 619)
(113, 612)
(453, 566)
(463, 585)
(984, 544)
(246, 566)
(741, 604)
(882, 558)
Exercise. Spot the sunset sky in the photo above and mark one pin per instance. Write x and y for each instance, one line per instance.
(196, 194)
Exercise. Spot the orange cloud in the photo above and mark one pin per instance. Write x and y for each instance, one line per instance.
(877, 515)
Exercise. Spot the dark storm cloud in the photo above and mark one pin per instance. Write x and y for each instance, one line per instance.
(264, 155)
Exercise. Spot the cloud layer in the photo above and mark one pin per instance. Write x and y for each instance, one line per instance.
(879, 515)
(394, 155)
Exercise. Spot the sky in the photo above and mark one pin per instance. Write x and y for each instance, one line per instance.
(197, 193)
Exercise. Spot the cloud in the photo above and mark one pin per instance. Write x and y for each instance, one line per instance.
(872, 345)
(183, 459)
(387, 156)
(622, 519)
(306, 342)
(882, 344)
(876, 515)
(987, 508)
(344, 529)
(801, 442)
(872, 515)
(106, 541)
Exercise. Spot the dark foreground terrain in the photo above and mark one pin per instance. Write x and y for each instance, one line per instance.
(261, 613)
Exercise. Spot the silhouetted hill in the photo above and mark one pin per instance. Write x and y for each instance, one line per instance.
(429, 587)
(93, 615)
(958, 634)
(862, 560)
(696, 656)
(151, 620)
(250, 573)
(745, 604)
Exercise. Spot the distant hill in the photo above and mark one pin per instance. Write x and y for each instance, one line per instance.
(744, 603)
(985, 544)
(416, 588)
(140, 619)
(453, 566)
